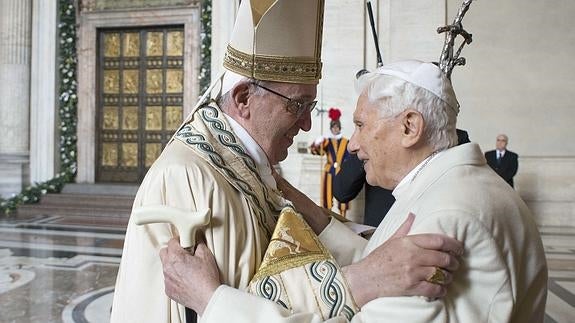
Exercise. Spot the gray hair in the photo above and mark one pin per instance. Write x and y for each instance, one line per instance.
(223, 99)
(393, 95)
(504, 136)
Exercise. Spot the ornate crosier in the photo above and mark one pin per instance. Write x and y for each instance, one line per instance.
(448, 59)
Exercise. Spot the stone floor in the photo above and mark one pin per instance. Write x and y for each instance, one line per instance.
(62, 269)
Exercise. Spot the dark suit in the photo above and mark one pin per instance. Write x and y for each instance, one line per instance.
(506, 167)
(462, 137)
(348, 183)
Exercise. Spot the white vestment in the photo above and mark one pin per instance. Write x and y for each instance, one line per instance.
(205, 166)
(503, 272)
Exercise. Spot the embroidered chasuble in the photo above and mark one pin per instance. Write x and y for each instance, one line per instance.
(299, 274)
(204, 166)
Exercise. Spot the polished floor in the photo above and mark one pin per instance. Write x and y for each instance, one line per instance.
(62, 269)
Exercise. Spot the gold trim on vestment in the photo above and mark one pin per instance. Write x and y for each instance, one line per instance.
(293, 244)
(305, 70)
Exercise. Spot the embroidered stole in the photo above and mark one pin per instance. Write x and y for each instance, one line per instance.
(209, 134)
(300, 274)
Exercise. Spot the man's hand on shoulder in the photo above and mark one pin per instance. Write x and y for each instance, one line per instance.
(404, 266)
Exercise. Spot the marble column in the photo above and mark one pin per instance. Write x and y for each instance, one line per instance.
(43, 101)
(223, 18)
(15, 44)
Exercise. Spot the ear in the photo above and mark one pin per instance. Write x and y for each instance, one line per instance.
(413, 125)
(240, 95)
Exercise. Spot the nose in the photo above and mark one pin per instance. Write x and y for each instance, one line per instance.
(353, 145)
(304, 122)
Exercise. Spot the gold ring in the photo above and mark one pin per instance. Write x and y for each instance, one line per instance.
(438, 277)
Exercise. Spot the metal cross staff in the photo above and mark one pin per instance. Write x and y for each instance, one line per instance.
(448, 59)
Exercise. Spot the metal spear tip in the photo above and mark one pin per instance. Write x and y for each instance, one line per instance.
(360, 73)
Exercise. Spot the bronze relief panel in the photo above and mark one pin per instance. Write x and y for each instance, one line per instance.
(131, 45)
(155, 44)
(154, 118)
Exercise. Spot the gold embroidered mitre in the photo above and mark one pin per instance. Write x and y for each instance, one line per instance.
(277, 40)
(300, 274)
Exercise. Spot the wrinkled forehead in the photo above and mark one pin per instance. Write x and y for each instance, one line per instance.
(365, 107)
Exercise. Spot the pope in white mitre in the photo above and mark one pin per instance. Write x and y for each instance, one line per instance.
(220, 160)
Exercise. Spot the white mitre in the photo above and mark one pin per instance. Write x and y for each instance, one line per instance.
(275, 40)
(424, 75)
(272, 40)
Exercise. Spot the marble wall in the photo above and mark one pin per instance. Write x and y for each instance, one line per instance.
(547, 184)
(518, 81)
(14, 173)
(15, 43)
(223, 17)
(132, 4)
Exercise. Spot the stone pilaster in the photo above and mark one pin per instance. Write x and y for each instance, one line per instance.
(43, 100)
(223, 18)
(15, 43)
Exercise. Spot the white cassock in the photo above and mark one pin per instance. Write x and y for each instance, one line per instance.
(503, 273)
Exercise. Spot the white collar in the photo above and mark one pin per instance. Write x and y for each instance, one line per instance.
(338, 136)
(408, 179)
(255, 151)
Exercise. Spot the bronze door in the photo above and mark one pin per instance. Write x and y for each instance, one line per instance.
(140, 96)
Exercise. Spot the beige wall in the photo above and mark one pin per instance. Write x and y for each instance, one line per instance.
(518, 80)
(519, 75)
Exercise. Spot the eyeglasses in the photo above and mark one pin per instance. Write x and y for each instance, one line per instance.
(293, 106)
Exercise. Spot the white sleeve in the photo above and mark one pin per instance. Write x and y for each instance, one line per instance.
(232, 305)
(479, 282)
(344, 244)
